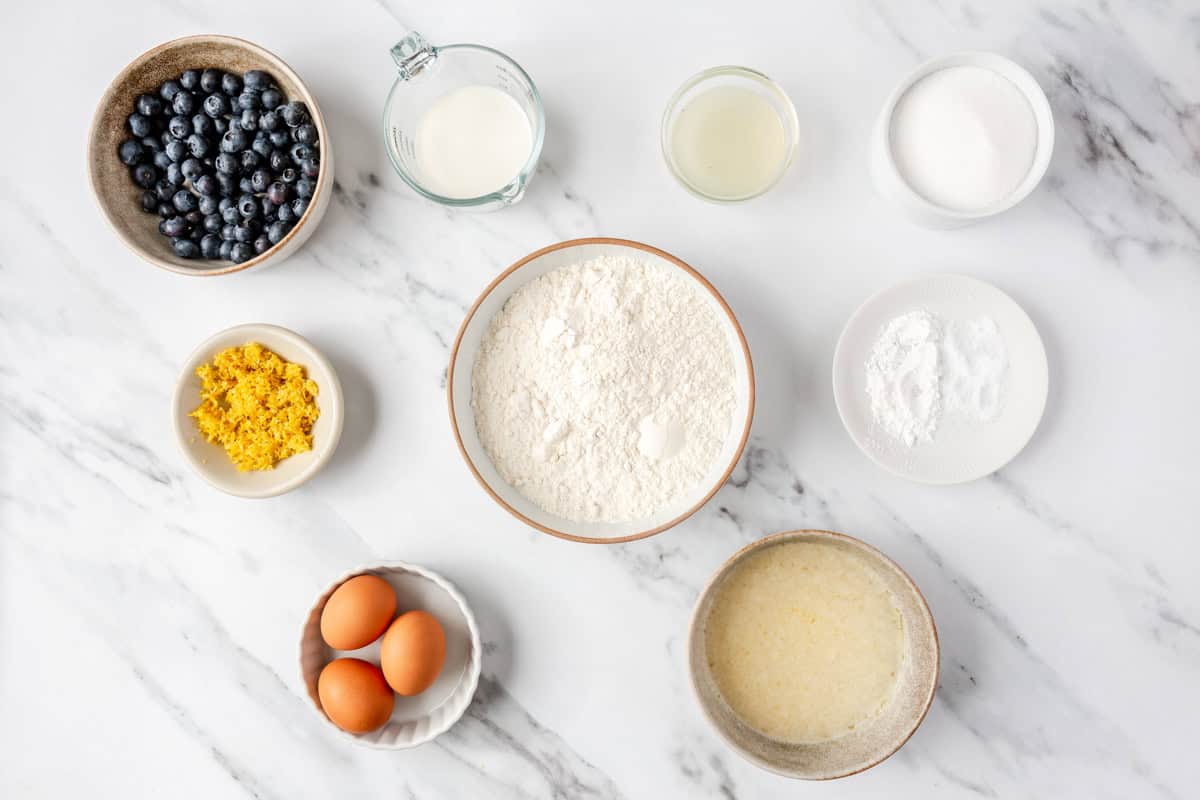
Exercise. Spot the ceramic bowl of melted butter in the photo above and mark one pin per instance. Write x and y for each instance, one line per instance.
(813, 654)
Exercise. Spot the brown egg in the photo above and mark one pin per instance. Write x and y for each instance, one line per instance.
(358, 612)
(355, 695)
(413, 651)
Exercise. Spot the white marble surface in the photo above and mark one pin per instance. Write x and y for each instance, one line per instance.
(149, 625)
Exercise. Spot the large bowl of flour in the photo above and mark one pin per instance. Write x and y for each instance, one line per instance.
(601, 390)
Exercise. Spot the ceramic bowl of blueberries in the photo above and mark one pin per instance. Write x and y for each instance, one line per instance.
(208, 156)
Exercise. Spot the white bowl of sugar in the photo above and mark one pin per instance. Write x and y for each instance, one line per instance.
(601, 390)
(962, 138)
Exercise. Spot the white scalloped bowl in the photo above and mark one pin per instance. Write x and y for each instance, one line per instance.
(422, 718)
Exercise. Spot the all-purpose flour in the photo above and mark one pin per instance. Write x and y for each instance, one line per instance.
(605, 390)
(920, 369)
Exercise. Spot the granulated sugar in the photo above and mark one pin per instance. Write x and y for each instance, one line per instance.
(604, 391)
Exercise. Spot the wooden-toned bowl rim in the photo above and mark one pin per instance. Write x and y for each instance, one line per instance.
(767, 541)
(108, 98)
(681, 265)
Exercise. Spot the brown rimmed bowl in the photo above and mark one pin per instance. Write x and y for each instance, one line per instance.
(120, 199)
(462, 416)
(870, 743)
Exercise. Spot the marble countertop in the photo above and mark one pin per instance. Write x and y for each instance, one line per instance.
(149, 624)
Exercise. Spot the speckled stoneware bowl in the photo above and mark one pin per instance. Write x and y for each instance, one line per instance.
(870, 743)
(119, 197)
(423, 717)
(462, 416)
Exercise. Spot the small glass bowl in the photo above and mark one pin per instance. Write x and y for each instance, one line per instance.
(746, 78)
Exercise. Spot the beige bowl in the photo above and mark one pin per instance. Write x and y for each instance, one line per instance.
(870, 743)
(119, 197)
(423, 717)
(462, 416)
(211, 461)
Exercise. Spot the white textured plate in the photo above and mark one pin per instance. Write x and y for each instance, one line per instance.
(462, 416)
(961, 450)
(211, 461)
(424, 717)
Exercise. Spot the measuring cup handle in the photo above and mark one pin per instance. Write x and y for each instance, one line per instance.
(412, 54)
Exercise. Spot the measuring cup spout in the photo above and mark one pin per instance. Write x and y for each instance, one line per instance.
(412, 54)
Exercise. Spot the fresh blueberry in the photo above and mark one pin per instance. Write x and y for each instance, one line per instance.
(257, 80)
(306, 134)
(131, 152)
(148, 105)
(271, 98)
(166, 210)
(249, 119)
(212, 223)
(234, 141)
(208, 202)
(229, 231)
(184, 201)
(144, 175)
(248, 206)
(185, 248)
(269, 209)
(250, 160)
(304, 188)
(262, 244)
(280, 138)
(231, 215)
(300, 151)
(210, 245)
(279, 161)
(268, 121)
(198, 145)
(149, 202)
(168, 90)
(140, 125)
(310, 167)
(195, 219)
(179, 126)
(260, 180)
(165, 190)
(294, 113)
(285, 213)
(262, 145)
(192, 168)
(289, 175)
(226, 250)
(220, 125)
(202, 124)
(174, 226)
(299, 206)
(175, 175)
(184, 103)
(249, 100)
(226, 184)
(231, 84)
(227, 164)
(277, 193)
(235, 122)
(190, 79)
(207, 186)
(210, 80)
(244, 234)
(176, 150)
(162, 160)
(241, 252)
(244, 185)
(216, 105)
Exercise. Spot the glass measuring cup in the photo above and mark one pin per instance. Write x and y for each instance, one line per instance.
(427, 73)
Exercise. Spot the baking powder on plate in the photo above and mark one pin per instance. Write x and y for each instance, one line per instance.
(605, 390)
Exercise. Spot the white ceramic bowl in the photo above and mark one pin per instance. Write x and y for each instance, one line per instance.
(423, 717)
(871, 742)
(892, 186)
(462, 417)
(211, 461)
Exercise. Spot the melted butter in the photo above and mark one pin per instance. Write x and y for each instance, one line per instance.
(804, 642)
